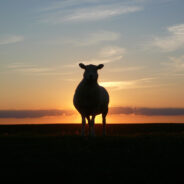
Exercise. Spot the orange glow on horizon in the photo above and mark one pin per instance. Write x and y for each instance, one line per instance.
(111, 119)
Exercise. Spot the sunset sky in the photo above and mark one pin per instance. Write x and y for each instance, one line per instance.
(140, 43)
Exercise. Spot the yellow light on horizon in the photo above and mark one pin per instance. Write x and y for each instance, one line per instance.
(118, 84)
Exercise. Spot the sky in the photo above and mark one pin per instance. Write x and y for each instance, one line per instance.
(140, 43)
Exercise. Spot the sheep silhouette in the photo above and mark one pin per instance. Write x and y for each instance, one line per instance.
(91, 99)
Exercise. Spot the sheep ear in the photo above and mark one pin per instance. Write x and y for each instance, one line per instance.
(100, 66)
(82, 66)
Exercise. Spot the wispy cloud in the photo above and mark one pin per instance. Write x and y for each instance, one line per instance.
(10, 39)
(33, 69)
(86, 39)
(126, 69)
(111, 51)
(130, 84)
(108, 54)
(100, 60)
(175, 64)
(173, 41)
(19, 65)
(98, 13)
(94, 38)
(118, 85)
(75, 11)
(27, 68)
(54, 5)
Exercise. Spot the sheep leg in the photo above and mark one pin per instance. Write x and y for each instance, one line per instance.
(104, 122)
(104, 125)
(83, 126)
(89, 123)
(92, 126)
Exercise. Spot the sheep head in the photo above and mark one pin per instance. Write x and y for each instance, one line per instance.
(90, 74)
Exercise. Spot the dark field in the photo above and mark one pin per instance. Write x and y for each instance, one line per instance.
(146, 153)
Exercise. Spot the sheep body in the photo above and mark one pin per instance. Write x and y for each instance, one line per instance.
(91, 99)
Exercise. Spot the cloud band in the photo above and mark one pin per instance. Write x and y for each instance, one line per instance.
(31, 113)
(20, 114)
(148, 111)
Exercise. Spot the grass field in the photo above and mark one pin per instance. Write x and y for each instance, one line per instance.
(146, 153)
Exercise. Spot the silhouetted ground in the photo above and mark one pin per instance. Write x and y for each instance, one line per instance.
(146, 153)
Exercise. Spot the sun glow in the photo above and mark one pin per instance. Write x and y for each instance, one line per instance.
(98, 119)
(78, 119)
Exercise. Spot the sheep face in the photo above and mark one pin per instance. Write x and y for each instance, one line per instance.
(90, 74)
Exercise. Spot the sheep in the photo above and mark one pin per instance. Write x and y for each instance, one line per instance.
(91, 99)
